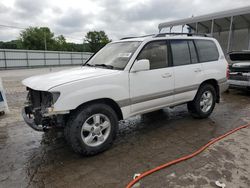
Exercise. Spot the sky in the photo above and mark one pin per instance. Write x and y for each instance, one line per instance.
(118, 18)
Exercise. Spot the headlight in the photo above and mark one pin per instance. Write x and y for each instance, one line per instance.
(55, 96)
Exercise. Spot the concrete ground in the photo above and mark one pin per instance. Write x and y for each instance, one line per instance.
(33, 159)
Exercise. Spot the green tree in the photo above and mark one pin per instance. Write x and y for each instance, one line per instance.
(96, 40)
(35, 38)
(13, 44)
(60, 43)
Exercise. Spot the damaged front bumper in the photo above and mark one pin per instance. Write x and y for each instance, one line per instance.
(43, 121)
(30, 120)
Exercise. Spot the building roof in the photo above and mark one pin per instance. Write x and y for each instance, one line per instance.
(241, 20)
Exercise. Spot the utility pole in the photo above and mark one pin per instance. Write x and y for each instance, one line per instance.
(45, 43)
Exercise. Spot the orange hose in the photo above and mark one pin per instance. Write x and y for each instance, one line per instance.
(144, 174)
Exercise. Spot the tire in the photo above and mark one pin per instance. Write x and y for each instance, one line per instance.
(91, 129)
(197, 107)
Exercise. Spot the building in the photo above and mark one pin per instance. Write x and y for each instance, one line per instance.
(231, 27)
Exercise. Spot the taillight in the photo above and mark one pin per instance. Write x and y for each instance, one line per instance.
(227, 71)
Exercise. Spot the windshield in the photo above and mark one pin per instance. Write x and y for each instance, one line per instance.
(114, 55)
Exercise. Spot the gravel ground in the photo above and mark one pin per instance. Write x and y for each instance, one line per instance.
(33, 159)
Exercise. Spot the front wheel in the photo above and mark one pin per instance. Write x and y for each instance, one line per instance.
(92, 129)
(204, 102)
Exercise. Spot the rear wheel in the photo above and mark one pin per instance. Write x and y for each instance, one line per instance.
(204, 102)
(92, 129)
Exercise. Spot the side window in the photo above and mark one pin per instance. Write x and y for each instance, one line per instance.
(156, 53)
(180, 52)
(207, 50)
(193, 55)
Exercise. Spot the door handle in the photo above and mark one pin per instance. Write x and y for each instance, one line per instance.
(197, 70)
(166, 75)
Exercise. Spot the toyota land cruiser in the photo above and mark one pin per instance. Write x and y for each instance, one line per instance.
(127, 77)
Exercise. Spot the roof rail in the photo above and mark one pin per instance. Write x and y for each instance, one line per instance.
(137, 37)
(124, 38)
(188, 34)
(164, 34)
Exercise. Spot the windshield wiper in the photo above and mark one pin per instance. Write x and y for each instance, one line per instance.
(104, 65)
(88, 65)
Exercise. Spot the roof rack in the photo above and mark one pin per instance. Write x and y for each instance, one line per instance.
(188, 34)
(137, 37)
(164, 34)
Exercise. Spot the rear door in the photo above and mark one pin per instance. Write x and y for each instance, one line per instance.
(187, 70)
(214, 65)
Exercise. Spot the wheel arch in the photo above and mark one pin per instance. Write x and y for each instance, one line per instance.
(107, 101)
(214, 83)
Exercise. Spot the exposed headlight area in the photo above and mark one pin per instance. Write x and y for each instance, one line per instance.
(55, 96)
(41, 99)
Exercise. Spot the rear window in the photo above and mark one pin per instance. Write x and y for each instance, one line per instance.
(207, 50)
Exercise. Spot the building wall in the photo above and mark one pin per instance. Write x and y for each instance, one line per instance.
(239, 41)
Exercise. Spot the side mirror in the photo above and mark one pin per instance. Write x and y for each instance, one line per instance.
(140, 65)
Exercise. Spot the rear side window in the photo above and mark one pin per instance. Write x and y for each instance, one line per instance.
(156, 53)
(207, 50)
(180, 52)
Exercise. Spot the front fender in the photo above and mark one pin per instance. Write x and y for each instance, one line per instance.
(74, 94)
(74, 99)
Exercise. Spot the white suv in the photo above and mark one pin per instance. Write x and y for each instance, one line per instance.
(127, 77)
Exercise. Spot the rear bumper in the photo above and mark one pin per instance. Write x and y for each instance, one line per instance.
(30, 121)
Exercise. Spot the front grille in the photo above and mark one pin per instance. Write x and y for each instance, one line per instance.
(39, 99)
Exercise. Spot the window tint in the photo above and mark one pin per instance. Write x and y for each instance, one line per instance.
(207, 50)
(180, 52)
(193, 54)
(156, 53)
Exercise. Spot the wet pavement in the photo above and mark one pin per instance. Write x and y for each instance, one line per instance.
(33, 159)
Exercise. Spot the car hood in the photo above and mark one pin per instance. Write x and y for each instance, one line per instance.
(48, 81)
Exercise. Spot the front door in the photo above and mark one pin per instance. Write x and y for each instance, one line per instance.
(153, 88)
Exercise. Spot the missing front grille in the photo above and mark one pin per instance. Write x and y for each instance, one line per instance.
(39, 99)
